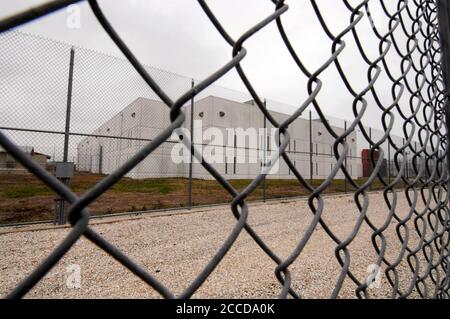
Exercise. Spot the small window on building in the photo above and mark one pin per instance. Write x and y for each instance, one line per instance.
(221, 114)
(201, 114)
(133, 115)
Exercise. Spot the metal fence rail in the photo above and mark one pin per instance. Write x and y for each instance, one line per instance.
(419, 100)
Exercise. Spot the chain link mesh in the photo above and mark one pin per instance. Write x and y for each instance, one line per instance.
(417, 161)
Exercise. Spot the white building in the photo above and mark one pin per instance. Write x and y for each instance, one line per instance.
(144, 119)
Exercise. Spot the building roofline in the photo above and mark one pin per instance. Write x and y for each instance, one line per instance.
(47, 156)
(121, 111)
(246, 103)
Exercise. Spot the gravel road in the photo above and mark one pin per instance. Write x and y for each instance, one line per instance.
(176, 247)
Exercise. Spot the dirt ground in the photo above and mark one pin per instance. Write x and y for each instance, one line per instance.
(23, 198)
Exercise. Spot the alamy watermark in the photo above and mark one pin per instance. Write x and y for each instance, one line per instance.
(229, 145)
(73, 19)
(73, 280)
(373, 279)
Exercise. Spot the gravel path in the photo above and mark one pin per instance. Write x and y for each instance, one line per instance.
(175, 248)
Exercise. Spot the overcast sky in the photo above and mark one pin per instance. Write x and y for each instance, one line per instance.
(175, 35)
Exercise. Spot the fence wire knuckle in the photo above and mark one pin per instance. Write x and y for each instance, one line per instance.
(418, 99)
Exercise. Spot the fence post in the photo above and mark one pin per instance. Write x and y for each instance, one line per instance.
(69, 106)
(405, 158)
(310, 149)
(414, 161)
(444, 35)
(100, 160)
(370, 157)
(192, 151)
(389, 162)
(345, 164)
(264, 152)
(60, 204)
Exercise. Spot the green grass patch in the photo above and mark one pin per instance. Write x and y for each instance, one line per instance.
(25, 186)
(161, 186)
(24, 191)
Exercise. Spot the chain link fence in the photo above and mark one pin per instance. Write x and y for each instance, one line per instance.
(100, 104)
(85, 134)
